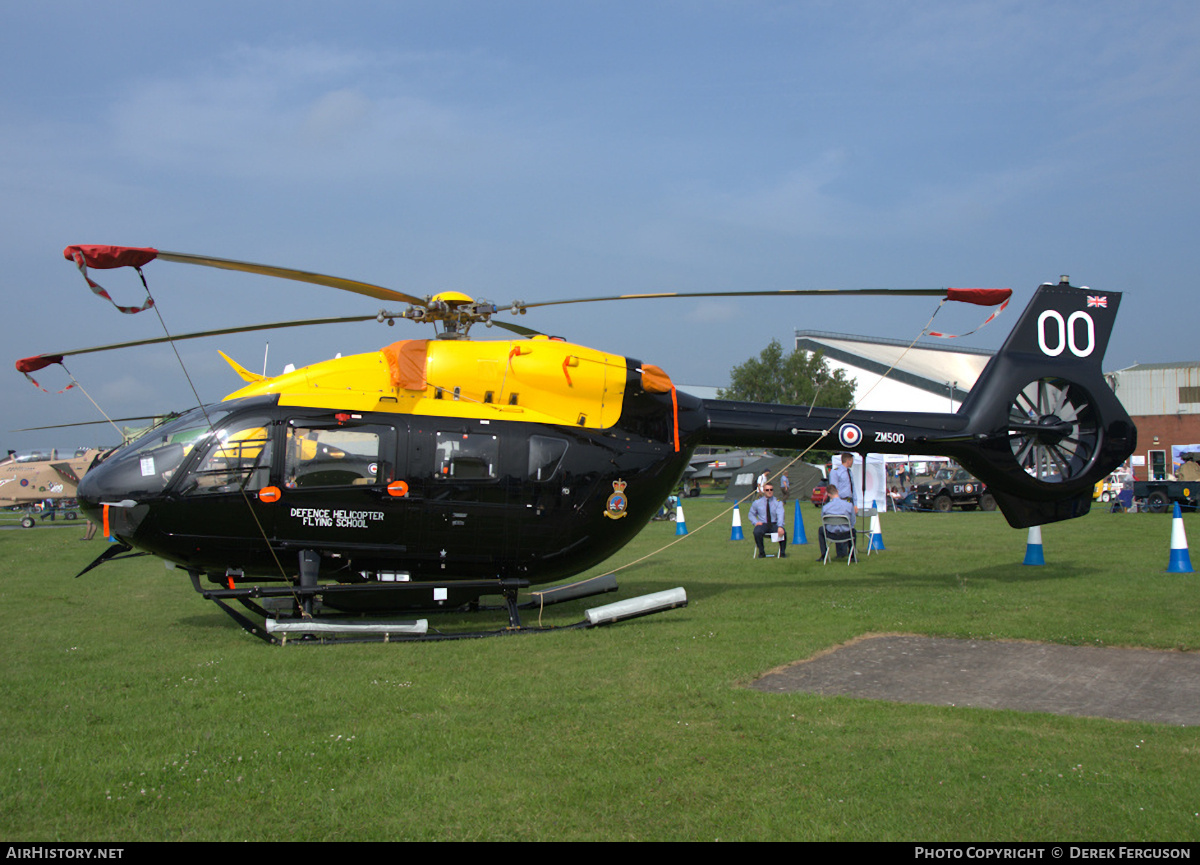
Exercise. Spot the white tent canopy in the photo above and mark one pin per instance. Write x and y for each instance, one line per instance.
(870, 481)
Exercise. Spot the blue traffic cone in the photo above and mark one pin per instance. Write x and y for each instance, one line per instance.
(876, 531)
(1033, 549)
(798, 536)
(680, 523)
(736, 533)
(1181, 559)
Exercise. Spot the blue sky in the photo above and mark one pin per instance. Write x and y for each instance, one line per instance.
(541, 150)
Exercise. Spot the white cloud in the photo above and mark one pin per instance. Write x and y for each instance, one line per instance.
(298, 115)
(712, 312)
(336, 115)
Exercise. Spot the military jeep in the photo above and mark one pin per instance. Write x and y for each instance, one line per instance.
(954, 488)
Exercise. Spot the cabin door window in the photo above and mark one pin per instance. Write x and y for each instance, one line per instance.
(335, 456)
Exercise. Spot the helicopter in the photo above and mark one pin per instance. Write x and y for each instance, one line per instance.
(29, 477)
(433, 472)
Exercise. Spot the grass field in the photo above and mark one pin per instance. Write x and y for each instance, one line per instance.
(135, 710)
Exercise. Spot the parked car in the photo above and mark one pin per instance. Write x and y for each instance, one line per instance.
(820, 494)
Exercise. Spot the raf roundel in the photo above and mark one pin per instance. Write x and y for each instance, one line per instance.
(849, 435)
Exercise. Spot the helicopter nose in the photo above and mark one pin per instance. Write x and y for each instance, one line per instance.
(96, 486)
(87, 493)
(103, 498)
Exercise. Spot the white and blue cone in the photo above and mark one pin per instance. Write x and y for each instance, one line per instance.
(876, 542)
(680, 523)
(1033, 548)
(736, 533)
(1181, 559)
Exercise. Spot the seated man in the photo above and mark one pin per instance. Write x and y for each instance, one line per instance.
(835, 506)
(767, 516)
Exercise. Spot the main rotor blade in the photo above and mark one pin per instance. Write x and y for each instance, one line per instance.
(953, 294)
(376, 291)
(93, 422)
(517, 328)
(198, 335)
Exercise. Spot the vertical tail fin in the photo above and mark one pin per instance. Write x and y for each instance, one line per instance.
(1046, 423)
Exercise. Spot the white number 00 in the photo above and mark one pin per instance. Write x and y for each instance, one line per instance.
(1063, 333)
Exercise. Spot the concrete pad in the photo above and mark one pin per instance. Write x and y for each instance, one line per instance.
(1124, 684)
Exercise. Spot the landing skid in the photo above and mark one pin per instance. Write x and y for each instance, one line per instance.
(304, 613)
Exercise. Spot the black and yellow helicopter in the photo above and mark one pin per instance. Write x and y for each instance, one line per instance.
(434, 472)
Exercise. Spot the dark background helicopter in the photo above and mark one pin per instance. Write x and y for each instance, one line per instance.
(464, 468)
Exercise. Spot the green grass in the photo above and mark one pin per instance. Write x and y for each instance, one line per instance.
(135, 710)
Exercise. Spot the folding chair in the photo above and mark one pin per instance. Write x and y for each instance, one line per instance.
(842, 524)
(865, 518)
(773, 537)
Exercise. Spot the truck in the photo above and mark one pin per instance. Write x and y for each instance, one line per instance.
(951, 488)
(1158, 496)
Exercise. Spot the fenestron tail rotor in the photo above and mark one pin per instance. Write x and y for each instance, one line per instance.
(1054, 430)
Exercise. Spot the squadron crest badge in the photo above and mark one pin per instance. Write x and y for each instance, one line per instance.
(617, 504)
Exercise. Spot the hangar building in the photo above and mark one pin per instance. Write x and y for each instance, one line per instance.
(1164, 401)
(927, 377)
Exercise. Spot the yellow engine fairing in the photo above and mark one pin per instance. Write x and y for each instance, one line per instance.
(539, 380)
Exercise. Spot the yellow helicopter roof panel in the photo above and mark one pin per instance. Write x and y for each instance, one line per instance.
(542, 380)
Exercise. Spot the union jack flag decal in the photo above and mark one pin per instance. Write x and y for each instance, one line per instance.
(1097, 300)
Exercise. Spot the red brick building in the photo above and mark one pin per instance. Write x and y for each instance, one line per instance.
(1164, 401)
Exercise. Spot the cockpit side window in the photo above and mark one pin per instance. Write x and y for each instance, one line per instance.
(238, 458)
(150, 463)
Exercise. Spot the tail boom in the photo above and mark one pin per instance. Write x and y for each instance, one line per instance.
(1040, 426)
